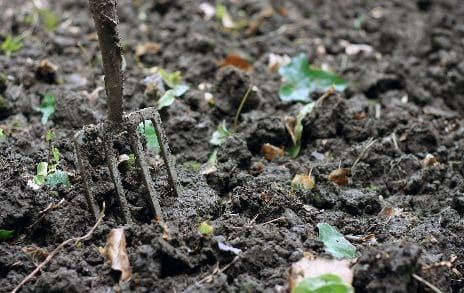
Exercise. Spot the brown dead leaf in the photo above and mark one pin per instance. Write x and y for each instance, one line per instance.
(311, 268)
(46, 71)
(235, 61)
(35, 253)
(339, 176)
(429, 160)
(304, 181)
(149, 48)
(388, 213)
(290, 123)
(116, 254)
(271, 152)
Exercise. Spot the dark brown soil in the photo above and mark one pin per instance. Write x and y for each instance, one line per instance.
(415, 76)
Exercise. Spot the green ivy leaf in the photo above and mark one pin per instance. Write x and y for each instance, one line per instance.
(326, 283)
(2, 135)
(335, 243)
(6, 235)
(47, 107)
(56, 178)
(205, 228)
(301, 80)
(147, 129)
(220, 134)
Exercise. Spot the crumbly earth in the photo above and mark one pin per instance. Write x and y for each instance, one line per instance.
(406, 95)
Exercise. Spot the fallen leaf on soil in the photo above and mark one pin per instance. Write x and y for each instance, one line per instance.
(35, 253)
(335, 243)
(115, 253)
(149, 48)
(303, 181)
(312, 268)
(235, 61)
(275, 61)
(429, 160)
(339, 176)
(271, 152)
(388, 213)
(225, 247)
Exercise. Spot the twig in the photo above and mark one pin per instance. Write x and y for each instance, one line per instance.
(428, 284)
(327, 94)
(240, 107)
(268, 222)
(215, 272)
(50, 207)
(363, 152)
(58, 249)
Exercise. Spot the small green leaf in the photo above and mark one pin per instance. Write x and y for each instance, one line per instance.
(47, 107)
(301, 80)
(11, 45)
(147, 129)
(326, 283)
(167, 99)
(6, 235)
(42, 168)
(50, 136)
(2, 134)
(56, 178)
(212, 160)
(56, 155)
(294, 150)
(220, 134)
(171, 78)
(221, 10)
(49, 19)
(205, 228)
(334, 242)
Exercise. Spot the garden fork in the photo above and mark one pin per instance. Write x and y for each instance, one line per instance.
(106, 23)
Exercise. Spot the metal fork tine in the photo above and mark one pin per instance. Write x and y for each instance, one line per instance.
(82, 164)
(151, 195)
(115, 176)
(169, 161)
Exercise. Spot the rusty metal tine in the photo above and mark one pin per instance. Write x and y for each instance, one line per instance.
(166, 153)
(115, 176)
(152, 195)
(82, 164)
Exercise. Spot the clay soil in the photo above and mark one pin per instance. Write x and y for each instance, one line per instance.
(406, 96)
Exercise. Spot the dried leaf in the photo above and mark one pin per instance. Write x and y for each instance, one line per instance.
(308, 268)
(429, 160)
(116, 254)
(276, 61)
(235, 61)
(149, 48)
(388, 213)
(35, 253)
(271, 152)
(339, 176)
(303, 181)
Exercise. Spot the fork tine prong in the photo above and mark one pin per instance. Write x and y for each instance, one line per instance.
(82, 164)
(115, 176)
(151, 195)
(166, 153)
